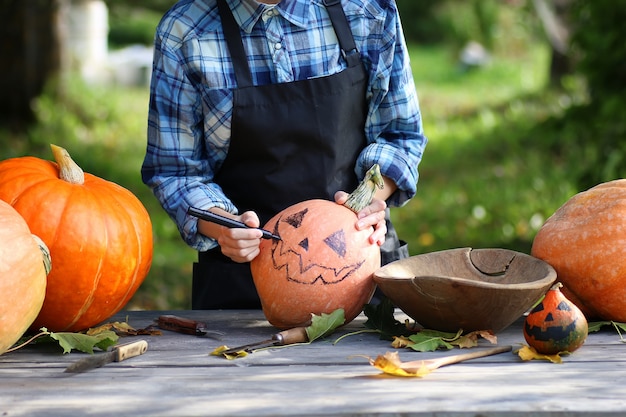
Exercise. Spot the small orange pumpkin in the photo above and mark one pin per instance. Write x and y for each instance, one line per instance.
(99, 235)
(555, 325)
(22, 277)
(322, 263)
(585, 242)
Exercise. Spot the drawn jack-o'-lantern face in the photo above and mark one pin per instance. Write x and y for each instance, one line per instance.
(310, 253)
(322, 263)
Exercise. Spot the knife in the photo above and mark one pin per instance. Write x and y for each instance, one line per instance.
(186, 326)
(209, 216)
(118, 354)
(286, 337)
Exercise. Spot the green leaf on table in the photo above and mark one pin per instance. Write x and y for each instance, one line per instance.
(430, 340)
(325, 324)
(84, 343)
(427, 340)
(596, 326)
(380, 317)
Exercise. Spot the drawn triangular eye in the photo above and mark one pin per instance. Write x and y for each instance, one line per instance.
(295, 220)
(337, 242)
(563, 306)
(304, 244)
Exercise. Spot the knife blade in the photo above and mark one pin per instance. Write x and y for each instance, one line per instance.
(286, 337)
(117, 354)
(186, 326)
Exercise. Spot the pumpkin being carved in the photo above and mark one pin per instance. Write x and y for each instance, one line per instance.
(585, 242)
(22, 277)
(322, 263)
(99, 235)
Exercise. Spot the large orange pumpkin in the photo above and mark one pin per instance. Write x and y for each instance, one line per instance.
(99, 235)
(322, 263)
(22, 277)
(585, 242)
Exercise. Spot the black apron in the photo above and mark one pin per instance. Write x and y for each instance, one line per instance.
(289, 142)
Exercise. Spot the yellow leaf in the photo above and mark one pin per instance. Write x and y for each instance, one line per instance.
(391, 364)
(528, 353)
(219, 351)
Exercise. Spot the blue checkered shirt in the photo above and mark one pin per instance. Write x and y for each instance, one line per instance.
(190, 107)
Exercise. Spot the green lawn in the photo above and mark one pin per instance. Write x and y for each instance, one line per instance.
(487, 177)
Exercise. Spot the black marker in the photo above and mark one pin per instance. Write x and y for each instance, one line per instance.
(225, 221)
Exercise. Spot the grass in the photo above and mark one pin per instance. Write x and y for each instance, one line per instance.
(487, 179)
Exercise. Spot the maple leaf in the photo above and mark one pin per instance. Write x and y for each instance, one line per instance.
(122, 328)
(325, 324)
(380, 317)
(597, 325)
(528, 353)
(471, 339)
(83, 342)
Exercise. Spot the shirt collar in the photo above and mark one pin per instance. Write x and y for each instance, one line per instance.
(248, 12)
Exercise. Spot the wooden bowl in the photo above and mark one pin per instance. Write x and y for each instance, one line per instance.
(465, 288)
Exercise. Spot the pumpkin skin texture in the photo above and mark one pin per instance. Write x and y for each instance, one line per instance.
(585, 242)
(555, 325)
(322, 263)
(22, 277)
(99, 235)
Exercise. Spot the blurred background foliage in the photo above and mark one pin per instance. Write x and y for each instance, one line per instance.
(511, 139)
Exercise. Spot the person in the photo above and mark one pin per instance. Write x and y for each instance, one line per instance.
(256, 105)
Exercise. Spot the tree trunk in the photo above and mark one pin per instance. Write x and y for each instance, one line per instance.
(556, 26)
(31, 48)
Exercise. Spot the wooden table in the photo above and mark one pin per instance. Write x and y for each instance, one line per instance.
(178, 377)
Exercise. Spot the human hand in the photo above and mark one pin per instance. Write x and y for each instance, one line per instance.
(239, 244)
(373, 215)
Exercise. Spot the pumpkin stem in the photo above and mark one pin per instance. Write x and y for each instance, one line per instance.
(68, 169)
(362, 196)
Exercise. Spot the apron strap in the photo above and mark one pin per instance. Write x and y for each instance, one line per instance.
(238, 55)
(235, 45)
(344, 34)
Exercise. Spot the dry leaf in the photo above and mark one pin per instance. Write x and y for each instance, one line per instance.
(219, 351)
(122, 328)
(391, 364)
(471, 339)
(400, 342)
(528, 353)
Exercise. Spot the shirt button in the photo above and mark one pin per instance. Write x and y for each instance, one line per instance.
(278, 46)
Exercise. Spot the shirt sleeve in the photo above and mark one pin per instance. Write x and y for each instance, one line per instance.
(178, 167)
(396, 139)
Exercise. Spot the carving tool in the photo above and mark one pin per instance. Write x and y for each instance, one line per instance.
(286, 337)
(186, 326)
(117, 354)
(209, 216)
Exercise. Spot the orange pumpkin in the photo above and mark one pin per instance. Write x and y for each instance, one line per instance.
(99, 235)
(555, 325)
(22, 277)
(585, 242)
(322, 263)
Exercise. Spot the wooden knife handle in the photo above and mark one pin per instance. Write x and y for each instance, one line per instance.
(179, 324)
(130, 350)
(291, 336)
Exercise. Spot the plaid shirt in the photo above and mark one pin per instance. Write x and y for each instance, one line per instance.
(191, 93)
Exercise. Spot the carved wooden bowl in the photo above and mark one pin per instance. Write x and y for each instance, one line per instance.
(465, 288)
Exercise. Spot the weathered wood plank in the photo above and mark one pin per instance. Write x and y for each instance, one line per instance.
(178, 377)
